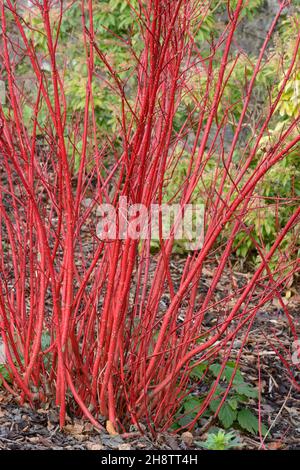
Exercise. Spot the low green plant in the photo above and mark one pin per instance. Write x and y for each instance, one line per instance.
(5, 374)
(220, 440)
(235, 410)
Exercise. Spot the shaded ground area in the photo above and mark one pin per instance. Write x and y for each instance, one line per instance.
(22, 428)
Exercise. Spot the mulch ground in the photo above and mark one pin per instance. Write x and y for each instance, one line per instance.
(22, 428)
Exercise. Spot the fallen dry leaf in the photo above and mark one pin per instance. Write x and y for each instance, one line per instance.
(275, 445)
(74, 429)
(124, 447)
(94, 446)
(187, 438)
(34, 439)
(110, 428)
(88, 428)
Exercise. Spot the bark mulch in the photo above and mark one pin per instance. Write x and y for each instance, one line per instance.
(22, 428)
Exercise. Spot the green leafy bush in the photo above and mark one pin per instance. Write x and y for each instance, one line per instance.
(235, 411)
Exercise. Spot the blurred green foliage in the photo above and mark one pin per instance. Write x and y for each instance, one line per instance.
(117, 32)
(282, 182)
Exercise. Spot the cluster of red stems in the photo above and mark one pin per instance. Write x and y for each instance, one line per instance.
(114, 353)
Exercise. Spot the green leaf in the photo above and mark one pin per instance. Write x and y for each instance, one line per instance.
(198, 371)
(227, 373)
(233, 403)
(246, 390)
(214, 404)
(215, 369)
(247, 420)
(186, 420)
(227, 415)
(192, 404)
